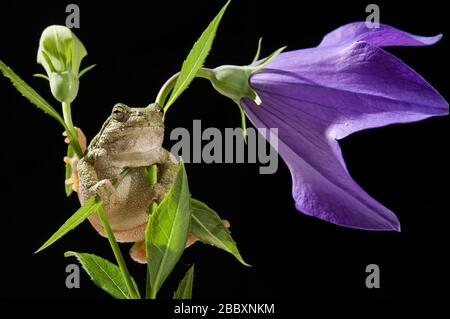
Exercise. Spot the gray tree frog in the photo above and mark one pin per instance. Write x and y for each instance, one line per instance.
(130, 137)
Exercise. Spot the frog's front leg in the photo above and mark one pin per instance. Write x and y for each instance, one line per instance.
(167, 173)
(91, 185)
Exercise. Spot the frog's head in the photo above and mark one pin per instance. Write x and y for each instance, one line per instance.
(132, 136)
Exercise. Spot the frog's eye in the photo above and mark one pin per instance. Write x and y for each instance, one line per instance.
(119, 113)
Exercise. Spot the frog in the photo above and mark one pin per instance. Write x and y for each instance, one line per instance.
(130, 138)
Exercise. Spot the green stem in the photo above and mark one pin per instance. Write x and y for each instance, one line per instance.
(152, 179)
(165, 90)
(205, 73)
(152, 174)
(71, 132)
(117, 253)
(149, 293)
(147, 285)
(67, 114)
(170, 83)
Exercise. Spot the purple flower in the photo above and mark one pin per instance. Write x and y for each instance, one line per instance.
(319, 95)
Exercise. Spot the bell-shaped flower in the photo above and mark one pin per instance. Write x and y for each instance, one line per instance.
(320, 95)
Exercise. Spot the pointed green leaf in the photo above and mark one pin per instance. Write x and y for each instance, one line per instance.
(196, 58)
(90, 206)
(167, 231)
(28, 92)
(184, 290)
(207, 226)
(104, 274)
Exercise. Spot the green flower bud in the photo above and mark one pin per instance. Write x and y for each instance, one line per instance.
(60, 53)
(64, 86)
(231, 81)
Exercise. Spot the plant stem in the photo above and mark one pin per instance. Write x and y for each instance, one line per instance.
(117, 253)
(67, 114)
(149, 292)
(170, 83)
(71, 132)
(165, 90)
(205, 73)
(152, 174)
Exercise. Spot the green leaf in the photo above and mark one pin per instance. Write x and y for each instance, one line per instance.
(28, 92)
(68, 188)
(184, 290)
(167, 231)
(103, 273)
(207, 226)
(90, 206)
(195, 58)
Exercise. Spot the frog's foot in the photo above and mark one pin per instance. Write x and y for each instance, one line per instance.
(105, 189)
(159, 191)
(138, 254)
(73, 179)
(191, 239)
(73, 161)
(81, 139)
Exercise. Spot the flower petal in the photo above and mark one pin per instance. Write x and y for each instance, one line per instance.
(383, 36)
(348, 89)
(316, 96)
(321, 185)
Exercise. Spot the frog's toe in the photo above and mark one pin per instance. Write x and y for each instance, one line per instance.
(137, 252)
(82, 141)
(70, 180)
(105, 189)
(191, 239)
(73, 179)
(66, 138)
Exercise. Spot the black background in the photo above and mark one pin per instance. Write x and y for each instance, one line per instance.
(137, 46)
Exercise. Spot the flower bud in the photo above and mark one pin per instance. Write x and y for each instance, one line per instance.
(232, 81)
(60, 53)
(64, 86)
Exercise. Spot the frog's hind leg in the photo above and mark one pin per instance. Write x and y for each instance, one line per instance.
(137, 252)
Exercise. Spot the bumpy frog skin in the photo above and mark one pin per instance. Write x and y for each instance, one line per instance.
(130, 137)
